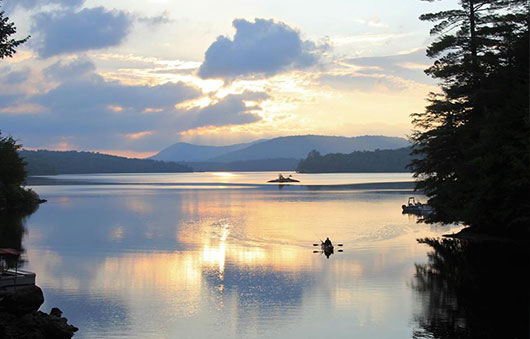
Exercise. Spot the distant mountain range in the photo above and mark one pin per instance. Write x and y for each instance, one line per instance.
(182, 151)
(291, 147)
(278, 154)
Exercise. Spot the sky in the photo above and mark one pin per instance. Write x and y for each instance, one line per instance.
(131, 77)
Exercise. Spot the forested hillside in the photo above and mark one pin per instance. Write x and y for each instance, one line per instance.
(365, 161)
(72, 162)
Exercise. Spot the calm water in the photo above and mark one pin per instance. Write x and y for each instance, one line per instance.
(220, 255)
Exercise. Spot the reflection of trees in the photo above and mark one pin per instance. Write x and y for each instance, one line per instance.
(12, 231)
(473, 289)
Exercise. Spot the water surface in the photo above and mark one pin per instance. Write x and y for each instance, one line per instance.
(186, 256)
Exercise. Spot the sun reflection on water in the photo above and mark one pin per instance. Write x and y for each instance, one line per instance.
(230, 262)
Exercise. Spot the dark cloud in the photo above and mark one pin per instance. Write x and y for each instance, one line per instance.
(263, 47)
(69, 32)
(68, 70)
(10, 5)
(14, 77)
(231, 110)
(93, 92)
(7, 100)
(93, 113)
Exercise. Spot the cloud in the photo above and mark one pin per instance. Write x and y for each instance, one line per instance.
(409, 65)
(259, 48)
(362, 82)
(92, 112)
(61, 32)
(14, 77)
(235, 109)
(155, 20)
(10, 5)
(74, 69)
(93, 92)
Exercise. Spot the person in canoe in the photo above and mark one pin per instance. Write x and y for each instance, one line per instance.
(327, 247)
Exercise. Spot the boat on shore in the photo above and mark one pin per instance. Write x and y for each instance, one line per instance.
(414, 206)
(282, 179)
(9, 276)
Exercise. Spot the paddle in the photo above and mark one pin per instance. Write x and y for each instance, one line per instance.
(340, 245)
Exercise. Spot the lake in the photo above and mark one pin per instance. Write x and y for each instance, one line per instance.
(224, 255)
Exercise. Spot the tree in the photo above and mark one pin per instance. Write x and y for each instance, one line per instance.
(472, 141)
(12, 171)
(7, 45)
(12, 176)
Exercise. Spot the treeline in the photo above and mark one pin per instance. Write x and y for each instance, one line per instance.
(43, 162)
(356, 162)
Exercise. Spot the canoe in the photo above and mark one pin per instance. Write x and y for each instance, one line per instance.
(327, 248)
(284, 180)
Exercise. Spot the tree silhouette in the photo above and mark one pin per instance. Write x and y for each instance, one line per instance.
(7, 44)
(472, 141)
(12, 176)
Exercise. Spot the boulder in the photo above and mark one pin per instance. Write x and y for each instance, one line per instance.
(21, 300)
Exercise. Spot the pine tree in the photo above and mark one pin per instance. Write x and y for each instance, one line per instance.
(12, 171)
(7, 44)
(473, 138)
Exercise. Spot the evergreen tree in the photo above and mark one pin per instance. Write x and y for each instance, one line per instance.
(7, 44)
(473, 138)
(12, 171)
(12, 176)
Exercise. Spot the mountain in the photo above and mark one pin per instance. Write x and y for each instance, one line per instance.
(297, 147)
(378, 161)
(182, 151)
(278, 164)
(44, 162)
(291, 147)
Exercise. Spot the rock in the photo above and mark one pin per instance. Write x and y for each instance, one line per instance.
(35, 325)
(22, 300)
(56, 312)
(20, 318)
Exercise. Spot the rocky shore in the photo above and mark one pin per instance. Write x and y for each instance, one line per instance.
(20, 317)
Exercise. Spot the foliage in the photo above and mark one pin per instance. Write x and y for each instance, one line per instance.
(7, 45)
(356, 162)
(12, 177)
(473, 139)
(72, 162)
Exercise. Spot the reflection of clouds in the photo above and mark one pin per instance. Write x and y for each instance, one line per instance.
(138, 205)
(228, 260)
(369, 308)
(116, 233)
